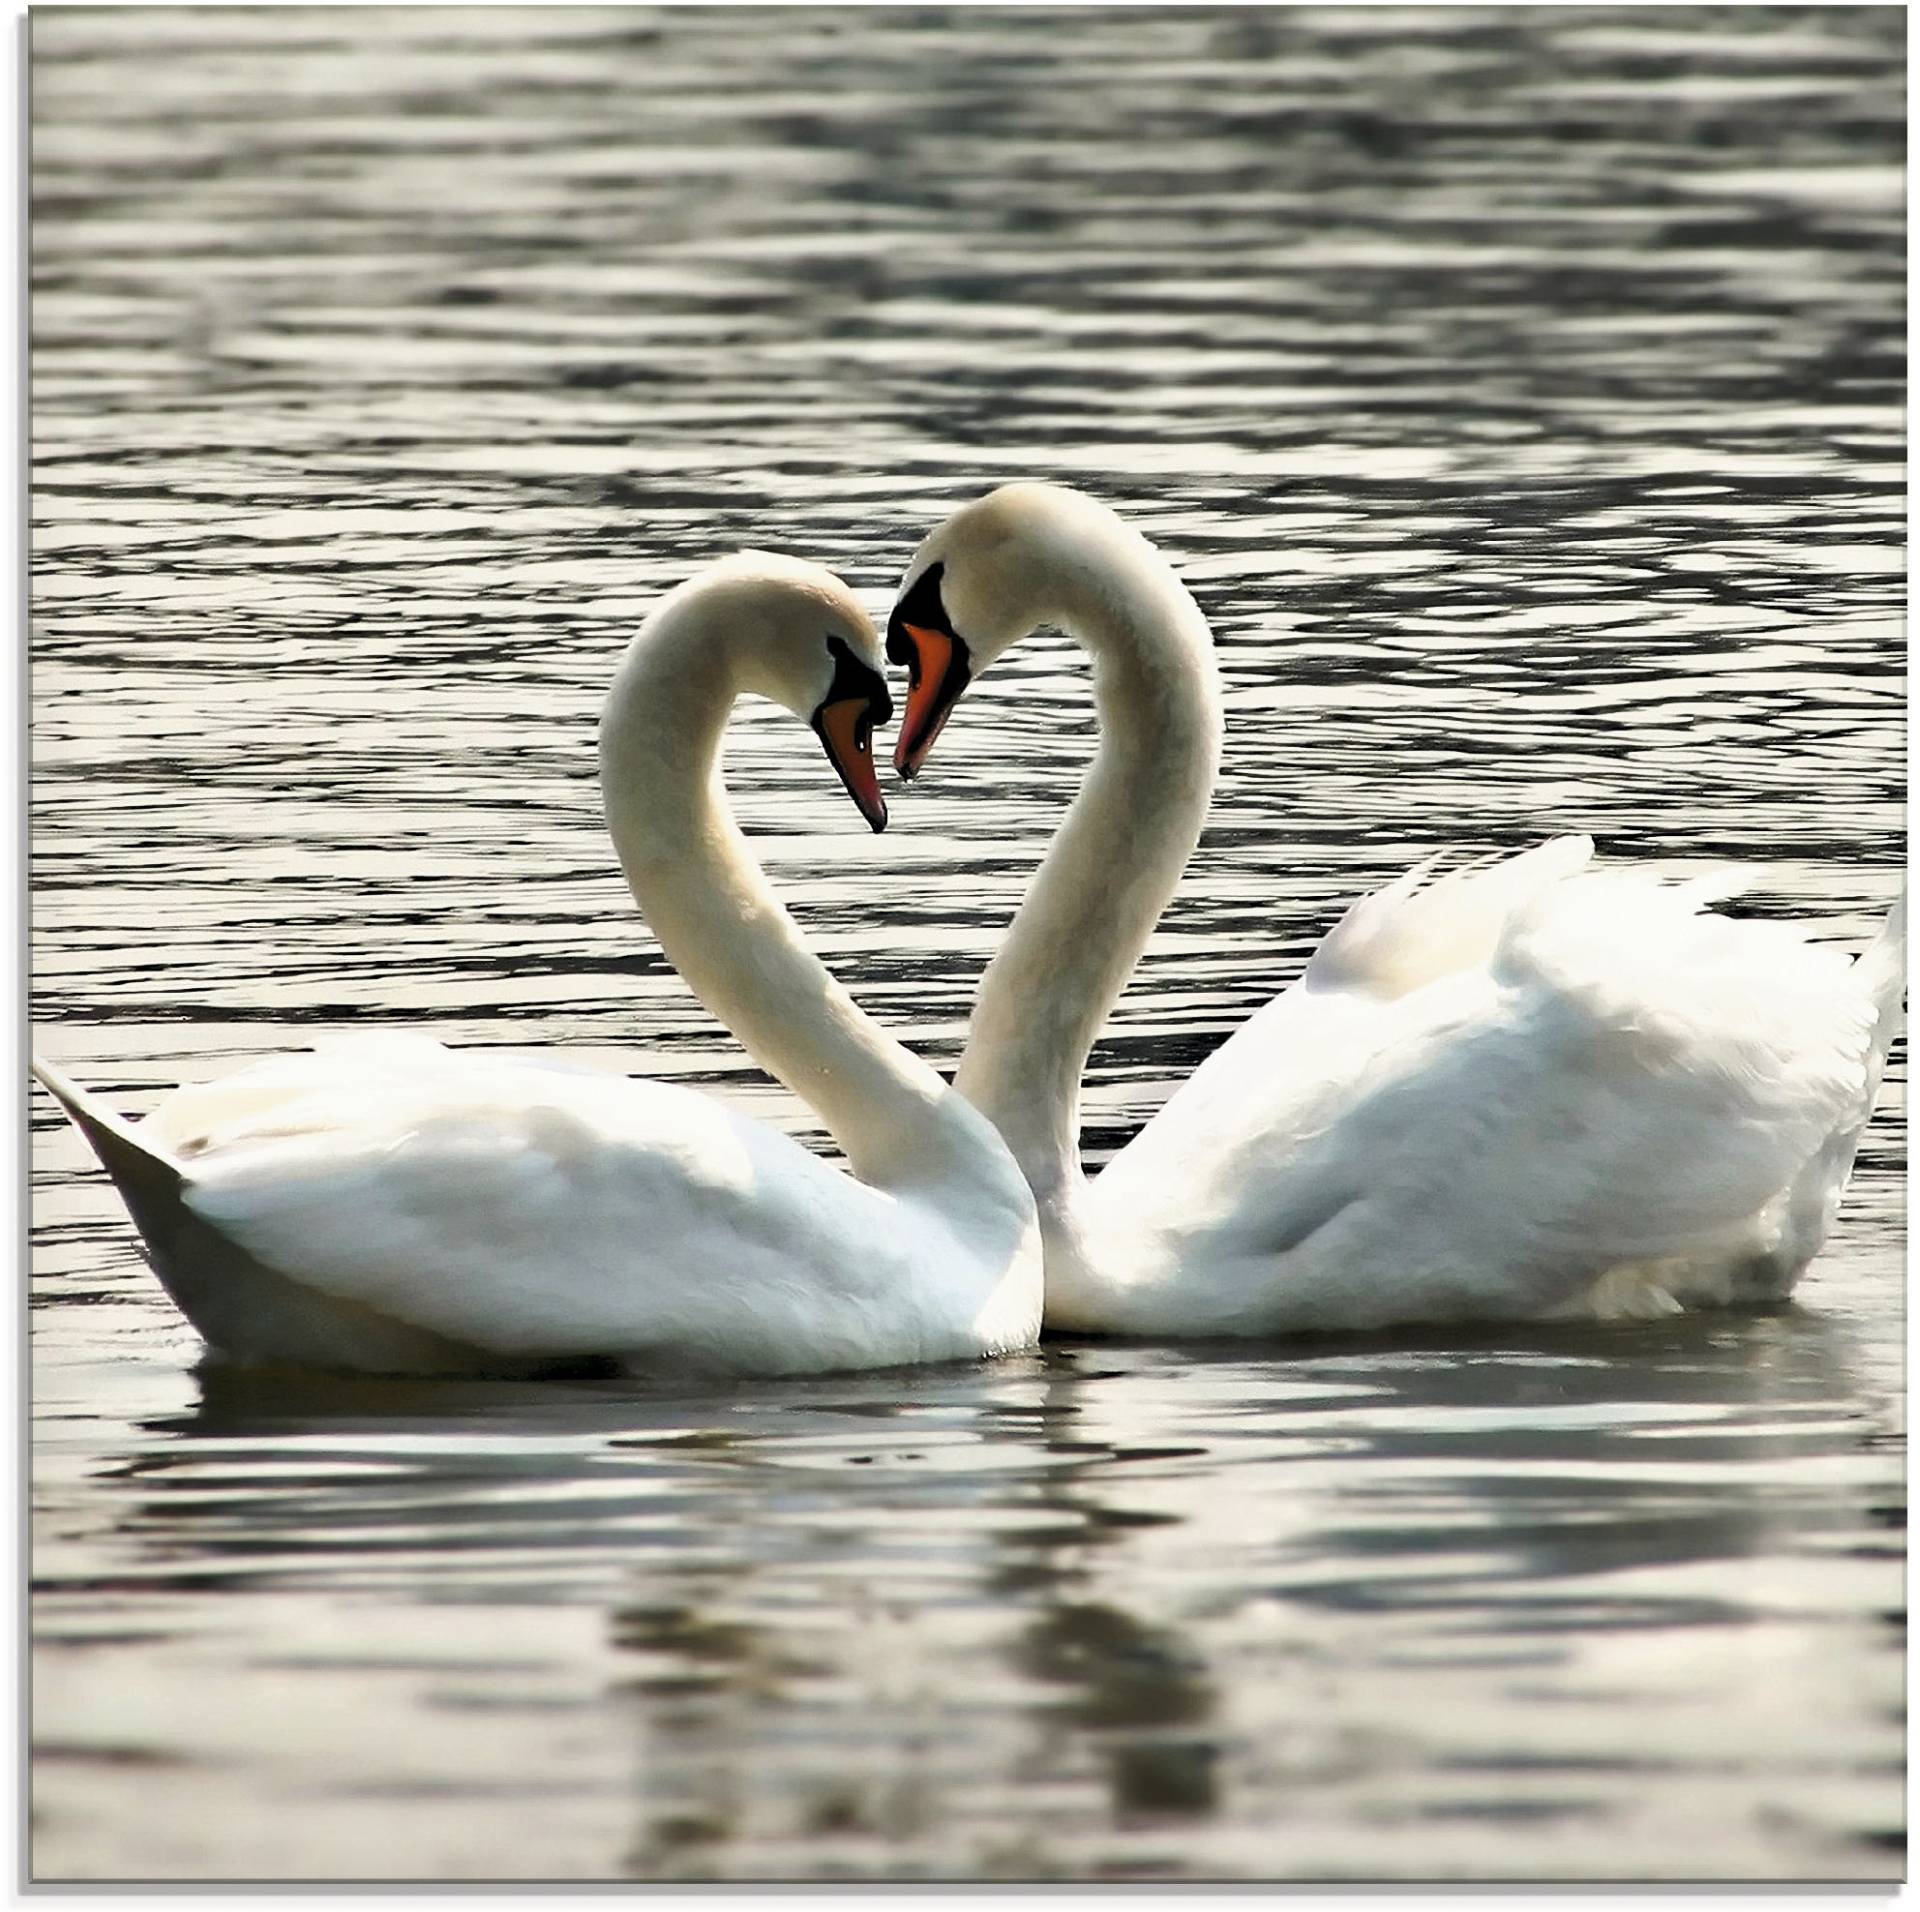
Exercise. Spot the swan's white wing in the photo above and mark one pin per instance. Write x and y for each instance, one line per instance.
(537, 1213)
(1620, 1079)
(320, 1088)
(1421, 927)
(1269, 1075)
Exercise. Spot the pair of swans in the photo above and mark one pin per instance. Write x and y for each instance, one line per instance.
(1521, 1090)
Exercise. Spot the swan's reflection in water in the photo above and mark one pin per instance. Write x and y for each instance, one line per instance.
(1136, 1693)
(1102, 1610)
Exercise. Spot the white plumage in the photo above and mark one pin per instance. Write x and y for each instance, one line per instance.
(1598, 1099)
(1523, 1089)
(389, 1204)
(553, 1213)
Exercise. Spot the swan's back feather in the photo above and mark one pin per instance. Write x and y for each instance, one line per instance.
(1636, 965)
(329, 1088)
(1414, 931)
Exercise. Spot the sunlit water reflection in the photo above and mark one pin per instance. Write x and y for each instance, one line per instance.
(1519, 391)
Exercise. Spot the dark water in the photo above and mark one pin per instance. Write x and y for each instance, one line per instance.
(1520, 394)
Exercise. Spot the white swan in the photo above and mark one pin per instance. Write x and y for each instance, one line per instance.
(391, 1205)
(1518, 1090)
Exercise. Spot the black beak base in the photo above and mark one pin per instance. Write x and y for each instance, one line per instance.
(921, 636)
(856, 701)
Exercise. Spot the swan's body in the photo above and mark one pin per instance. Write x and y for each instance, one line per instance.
(1615, 1104)
(391, 1205)
(1524, 1090)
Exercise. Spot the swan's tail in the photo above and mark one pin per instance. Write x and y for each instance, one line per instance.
(1814, 1199)
(149, 1180)
(1883, 973)
(243, 1308)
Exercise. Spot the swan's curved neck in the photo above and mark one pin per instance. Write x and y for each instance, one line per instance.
(723, 928)
(1112, 866)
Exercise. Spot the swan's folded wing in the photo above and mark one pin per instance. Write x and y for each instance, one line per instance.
(1628, 1079)
(562, 1216)
(326, 1088)
(1270, 1080)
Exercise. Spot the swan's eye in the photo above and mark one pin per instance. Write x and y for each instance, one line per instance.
(854, 677)
(920, 604)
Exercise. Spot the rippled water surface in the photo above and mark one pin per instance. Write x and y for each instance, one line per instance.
(1520, 394)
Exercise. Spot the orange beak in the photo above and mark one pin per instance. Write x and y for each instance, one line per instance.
(846, 728)
(937, 673)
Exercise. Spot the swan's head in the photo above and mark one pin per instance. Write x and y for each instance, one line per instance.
(1025, 555)
(793, 633)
